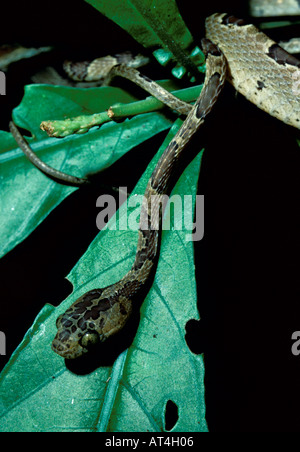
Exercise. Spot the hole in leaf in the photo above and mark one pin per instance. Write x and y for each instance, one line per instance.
(195, 336)
(171, 415)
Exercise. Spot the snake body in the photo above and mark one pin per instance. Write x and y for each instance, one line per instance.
(100, 313)
(99, 69)
(260, 70)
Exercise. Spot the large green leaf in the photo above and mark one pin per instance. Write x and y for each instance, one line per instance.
(38, 392)
(156, 24)
(150, 22)
(26, 195)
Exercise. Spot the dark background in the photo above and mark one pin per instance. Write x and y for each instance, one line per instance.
(247, 263)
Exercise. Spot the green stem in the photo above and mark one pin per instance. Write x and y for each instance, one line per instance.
(82, 124)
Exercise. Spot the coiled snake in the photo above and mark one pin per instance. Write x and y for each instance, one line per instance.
(264, 73)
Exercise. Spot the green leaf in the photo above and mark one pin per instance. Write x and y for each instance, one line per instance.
(150, 22)
(26, 195)
(37, 391)
(155, 24)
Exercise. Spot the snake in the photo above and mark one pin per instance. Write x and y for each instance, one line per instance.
(100, 68)
(257, 68)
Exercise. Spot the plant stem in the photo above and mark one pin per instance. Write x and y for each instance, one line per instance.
(82, 124)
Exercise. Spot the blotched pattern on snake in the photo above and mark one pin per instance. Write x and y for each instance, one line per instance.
(260, 70)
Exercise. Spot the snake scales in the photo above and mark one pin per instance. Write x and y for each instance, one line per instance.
(264, 73)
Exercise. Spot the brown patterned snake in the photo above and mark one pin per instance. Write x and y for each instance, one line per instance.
(100, 313)
(267, 76)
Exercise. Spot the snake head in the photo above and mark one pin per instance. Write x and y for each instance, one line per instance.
(71, 342)
(94, 317)
(79, 328)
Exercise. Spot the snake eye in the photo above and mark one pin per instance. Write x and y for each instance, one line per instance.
(89, 339)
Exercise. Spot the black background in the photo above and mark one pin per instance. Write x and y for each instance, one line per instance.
(247, 263)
